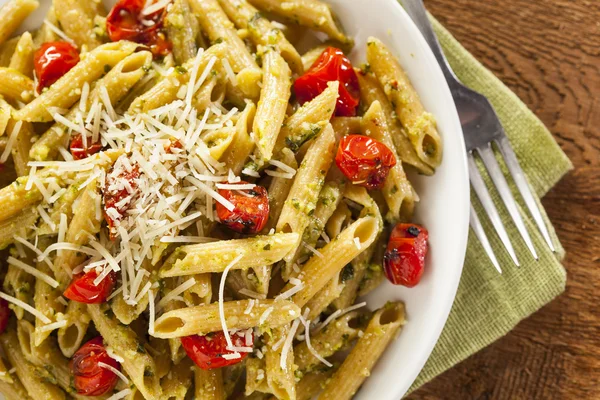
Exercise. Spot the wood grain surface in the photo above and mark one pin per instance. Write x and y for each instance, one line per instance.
(548, 53)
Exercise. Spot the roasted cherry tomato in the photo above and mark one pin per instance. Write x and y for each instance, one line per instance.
(207, 351)
(127, 22)
(404, 259)
(120, 185)
(83, 290)
(90, 378)
(4, 315)
(332, 65)
(80, 151)
(52, 61)
(364, 161)
(251, 211)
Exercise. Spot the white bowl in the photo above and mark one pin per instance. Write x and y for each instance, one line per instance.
(444, 206)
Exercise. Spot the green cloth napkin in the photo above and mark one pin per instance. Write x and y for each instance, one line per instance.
(488, 305)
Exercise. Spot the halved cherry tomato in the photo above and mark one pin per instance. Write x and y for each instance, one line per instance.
(89, 378)
(332, 65)
(83, 290)
(4, 315)
(52, 61)
(251, 211)
(119, 186)
(80, 151)
(404, 259)
(207, 351)
(364, 161)
(126, 22)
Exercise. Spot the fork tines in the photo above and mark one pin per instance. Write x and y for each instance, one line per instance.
(487, 156)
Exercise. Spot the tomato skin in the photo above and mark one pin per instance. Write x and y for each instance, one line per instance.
(404, 259)
(77, 149)
(113, 193)
(124, 22)
(206, 351)
(89, 378)
(52, 61)
(250, 214)
(83, 290)
(4, 315)
(332, 65)
(364, 161)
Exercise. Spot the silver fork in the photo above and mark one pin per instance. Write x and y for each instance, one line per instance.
(482, 129)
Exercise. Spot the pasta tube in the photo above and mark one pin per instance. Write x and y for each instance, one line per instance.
(280, 375)
(371, 91)
(309, 120)
(138, 364)
(279, 189)
(176, 384)
(205, 319)
(182, 30)
(274, 97)
(17, 225)
(214, 22)
(12, 14)
(208, 384)
(76, 17)
(313, 14)
(382, 329)
(22, 58)
(420, 125)
(13, 390)
(21, 146)
(215, 256)
(16, 86)
(304, 194)
(261, 31)
(336, 254)
(71, 335)
(242, 145)
(46, 301)
(28, 374)
(336, 336)
(397, 190)
(65, 92)
(83, 226)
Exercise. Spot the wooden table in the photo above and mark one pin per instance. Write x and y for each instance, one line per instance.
(548, 53)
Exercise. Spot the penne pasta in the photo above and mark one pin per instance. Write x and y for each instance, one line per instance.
(279, 189)
(382, 329)
(370, 92)
(21, 146)
(13, 390)
(242, 144)
(15, 86)
(12, 14)
(46, 301)
(205, 319)
(76, 17)
(261, 31)
(72, 334)
(214, 22)
(304, 194)
(28, 374)
(137, 363)
(419, 125)
(22, 58)
(312, 14)
(182, 30)
(178, 381)
(208, 384)
(274, 97)
(336, 254)
(279, 367)
(309, 120)
(216, 256)
(18, 225)
(397, 190)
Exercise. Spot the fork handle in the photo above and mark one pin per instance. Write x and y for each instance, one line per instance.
(416, 10)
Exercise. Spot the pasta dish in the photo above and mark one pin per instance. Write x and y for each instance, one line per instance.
(193, 205)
